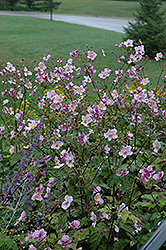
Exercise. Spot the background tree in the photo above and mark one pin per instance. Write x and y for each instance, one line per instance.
(10, 4)
(44, 5)
(149, 26)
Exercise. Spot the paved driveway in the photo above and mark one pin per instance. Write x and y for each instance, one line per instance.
(107, 23)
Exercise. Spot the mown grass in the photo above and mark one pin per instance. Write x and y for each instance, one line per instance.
(98, 7)
(125, 9)
(32, 38)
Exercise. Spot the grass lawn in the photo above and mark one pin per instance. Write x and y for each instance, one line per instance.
(32, 38)
(98, 7)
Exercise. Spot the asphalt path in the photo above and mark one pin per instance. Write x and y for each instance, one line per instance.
(107, 23)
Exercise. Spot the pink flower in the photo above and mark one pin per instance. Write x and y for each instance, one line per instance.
(94, 219)
(29, 237)
(67, 202)
(2, 129)
(86, 120)
(50, 182)
(39, 235)
(128, 43)
(47, 192)
(106, 149)
(65, 241)
(123, 173)
(145, 81)
(129, 135)
(28, 85)
(164, 115)
(57, 145)
(158, 56)
(114, 94)
(125, 151)
(146, 173)
(137, 225)
(111, 134)
(47, 158)
(102, 106)
(42, 66)
(10, 67)
(91, 55)
(116, 228)
(103, 52)
(31, 247)
(21, 218)
(74, 224)
(98, 199)
(96, 189)
(12, 149)
(158, 176)
(121, 207)
(82, 137)
(156, 145)
(154, 111)
(103, 74)
(37, 195)
(87, 79)
(104, 215)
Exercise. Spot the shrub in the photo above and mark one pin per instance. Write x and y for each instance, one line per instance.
(149, 26)
(82, 152)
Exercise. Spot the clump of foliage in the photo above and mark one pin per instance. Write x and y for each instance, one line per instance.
(149, 26)
(29, 5)
(82, 152)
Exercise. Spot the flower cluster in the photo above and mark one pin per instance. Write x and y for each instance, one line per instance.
(83, 151)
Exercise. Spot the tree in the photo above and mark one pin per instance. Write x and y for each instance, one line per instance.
(149, 26)
(10, 4)
(44, 5)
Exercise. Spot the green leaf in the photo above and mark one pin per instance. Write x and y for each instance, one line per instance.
(121, 244)
(73, 246)
(79, 236)
(7, 242)
(104, 186)
(126, 227)
(7, 207)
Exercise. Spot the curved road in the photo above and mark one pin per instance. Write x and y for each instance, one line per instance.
(107, 23)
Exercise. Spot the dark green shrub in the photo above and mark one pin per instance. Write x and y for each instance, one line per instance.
(149, 26)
